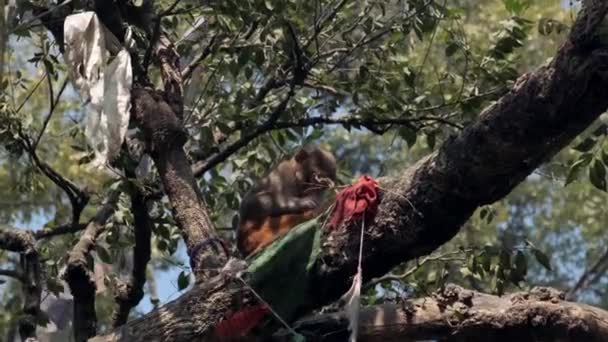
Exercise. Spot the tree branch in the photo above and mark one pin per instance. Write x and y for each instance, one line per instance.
(22, 241)
(16, 240)
(203, 166)
(583, 282)
(78, 198)
(13, 274)
(164, 139)
(77, 273)
(456, 314)
(412, 270)
(59, 230)
(53, 105)
(129, 294)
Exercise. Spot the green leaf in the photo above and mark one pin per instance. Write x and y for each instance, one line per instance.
(542, 258)
(597, 175)
(516, 6)
(504, 259)
(451, 49)
(483, 212)
(409, 135)
(269, 5)
(583, 161)
(520, 267)
(183, 280)
(585, 145)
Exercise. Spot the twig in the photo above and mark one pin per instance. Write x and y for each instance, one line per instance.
(583, 280)
(372, 124)
(13, 274)
(201, 167)
(156, 34)
(78, 198)
(409, 272)
(27, 97)
(49, 11)
(187, 71)
(59, 230)
(51, 110)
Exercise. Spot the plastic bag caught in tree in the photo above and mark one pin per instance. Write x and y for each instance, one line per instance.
(105, 89)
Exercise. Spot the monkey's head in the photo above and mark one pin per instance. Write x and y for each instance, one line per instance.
(317, 168)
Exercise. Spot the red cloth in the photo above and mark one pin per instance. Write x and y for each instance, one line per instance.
(354, 200)
(240, 323)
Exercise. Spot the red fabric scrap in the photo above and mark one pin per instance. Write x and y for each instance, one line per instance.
(354, 200)
(241, 322)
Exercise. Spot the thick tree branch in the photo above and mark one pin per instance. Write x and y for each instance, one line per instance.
(427, 206)
(30, 264)
(16, 240)
(78, 273)
(129, 294)
(23, 242)
(164, 139)
(456, 314)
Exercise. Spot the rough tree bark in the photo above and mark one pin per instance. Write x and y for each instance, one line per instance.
(426, 207)
(457, 314)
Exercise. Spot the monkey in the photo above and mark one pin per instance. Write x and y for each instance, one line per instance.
(288, 195)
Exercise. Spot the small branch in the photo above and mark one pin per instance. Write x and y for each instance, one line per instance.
(187, 71)
(78, 276)
(372, 124)
(40, 15)
(13, 274)
(78, 198)
(201, 167)
(330, 90)
(583, 282)
(129, 294)
(412, 270)
(59, 230)
(156, 34)
(51, 110)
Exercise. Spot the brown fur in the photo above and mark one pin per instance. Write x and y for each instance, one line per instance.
(287, 196)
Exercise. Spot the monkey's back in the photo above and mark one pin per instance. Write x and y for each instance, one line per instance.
(254, 235)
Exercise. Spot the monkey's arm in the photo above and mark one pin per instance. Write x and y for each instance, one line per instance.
(265, 204)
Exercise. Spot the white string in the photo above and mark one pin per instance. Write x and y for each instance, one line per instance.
(361, 243)
(274, 313)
